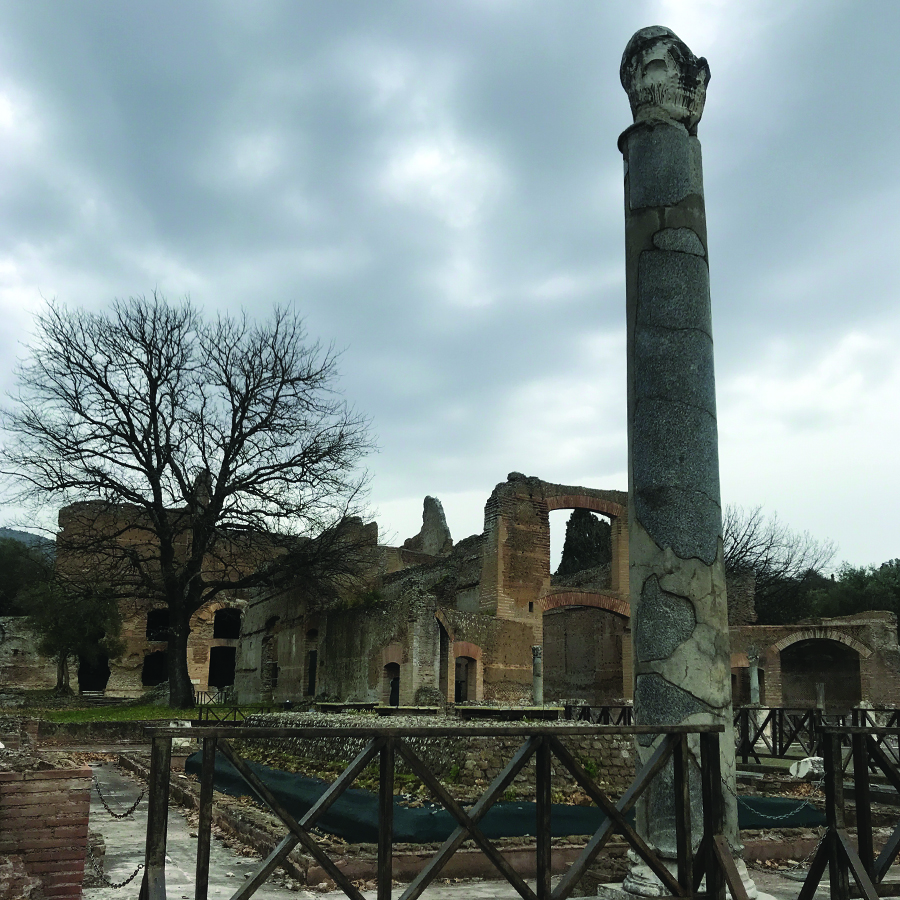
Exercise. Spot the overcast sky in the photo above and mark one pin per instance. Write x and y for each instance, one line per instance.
(436, 185)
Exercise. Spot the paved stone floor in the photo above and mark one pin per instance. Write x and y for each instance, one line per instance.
(125, 850)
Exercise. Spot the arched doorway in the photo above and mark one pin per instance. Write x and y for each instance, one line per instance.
(464, 680)
(93, 674)
(221, 667)
(156, 668)
(390, 684)
(806, 663)
(583, 654)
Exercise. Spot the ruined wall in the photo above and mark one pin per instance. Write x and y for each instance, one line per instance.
(583, 655)
(21, 666)
(871, 636)
(516, 562)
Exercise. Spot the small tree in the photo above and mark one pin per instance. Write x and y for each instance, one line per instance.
(204, 456)
(67, 622)
(587, 545)
(786, 564)
(23, 568)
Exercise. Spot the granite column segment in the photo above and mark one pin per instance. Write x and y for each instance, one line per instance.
(682, 667)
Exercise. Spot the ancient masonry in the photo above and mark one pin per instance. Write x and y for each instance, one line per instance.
(677, 578)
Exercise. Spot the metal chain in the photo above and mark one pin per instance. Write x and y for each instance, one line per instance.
(106, 806)
(780, 818)
(107, 881)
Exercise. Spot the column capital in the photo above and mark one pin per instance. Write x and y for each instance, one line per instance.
(663, 79)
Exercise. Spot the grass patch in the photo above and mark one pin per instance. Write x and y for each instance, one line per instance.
(136, 713)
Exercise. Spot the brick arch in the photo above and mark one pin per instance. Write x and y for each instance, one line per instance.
(451, 634)
(585, 501)
(822, 634)
(464, 648)
(393, 653)
(586, 598)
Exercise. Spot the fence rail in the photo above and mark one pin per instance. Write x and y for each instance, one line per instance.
(234, 715)
(712, 859)
(600, 715)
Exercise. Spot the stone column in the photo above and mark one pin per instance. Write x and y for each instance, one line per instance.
(537, 669)
(682, 658)
(753, 662)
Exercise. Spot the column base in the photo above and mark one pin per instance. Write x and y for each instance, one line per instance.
(641, 882)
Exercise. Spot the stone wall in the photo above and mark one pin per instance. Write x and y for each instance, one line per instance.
(44, 821)
(467, 762)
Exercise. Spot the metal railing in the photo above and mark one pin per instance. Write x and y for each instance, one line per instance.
(233, 714)
(836, 850)
(712, 860)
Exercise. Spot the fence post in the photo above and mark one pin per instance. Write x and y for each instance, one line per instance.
(542, 829)
(713, 811)
(683, 835)
(386, 819)
(862, 802)
(204, 826)
(834, 814)
(744, 714)
(154, 884)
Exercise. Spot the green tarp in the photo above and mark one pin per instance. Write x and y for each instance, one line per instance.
(354, 816)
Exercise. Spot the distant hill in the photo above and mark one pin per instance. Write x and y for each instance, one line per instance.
(26, 537)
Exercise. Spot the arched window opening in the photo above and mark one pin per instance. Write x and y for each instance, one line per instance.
(158, 625)
(227, 624)
(156, 668)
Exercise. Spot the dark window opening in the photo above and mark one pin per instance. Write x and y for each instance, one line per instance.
(312, 658)
(93, 675)
(156, 668)
(227, 624)
(221, 666)
(271, 622)
(461, 693)
(312, 634)
(391, 684)
(531, 607)
(158, 625)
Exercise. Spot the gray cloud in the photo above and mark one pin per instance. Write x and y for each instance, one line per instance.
(438, 188)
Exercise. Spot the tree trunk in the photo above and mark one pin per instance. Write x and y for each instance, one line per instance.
(181, 691)
(62, 674)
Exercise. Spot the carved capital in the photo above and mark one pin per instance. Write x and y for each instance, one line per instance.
(663, 79)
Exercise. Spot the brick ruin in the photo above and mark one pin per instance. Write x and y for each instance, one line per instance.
(435, 621)
(441, 622)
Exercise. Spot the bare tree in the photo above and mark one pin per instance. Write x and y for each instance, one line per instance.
(194, 457)
(783, 562)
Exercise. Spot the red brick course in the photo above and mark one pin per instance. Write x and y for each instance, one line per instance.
(44, 820)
